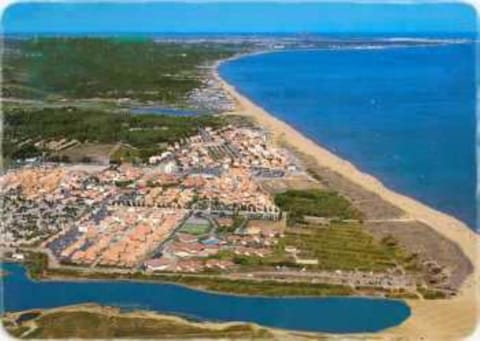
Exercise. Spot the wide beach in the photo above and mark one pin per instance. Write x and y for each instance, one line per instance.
(441, 319)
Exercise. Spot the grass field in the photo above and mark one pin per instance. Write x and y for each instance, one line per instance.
(269, 288)
(95, 152)
(315, 202)
(92, 324)
(195, 229)
(345, 247)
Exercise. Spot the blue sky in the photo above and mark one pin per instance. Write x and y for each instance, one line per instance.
(234, 17)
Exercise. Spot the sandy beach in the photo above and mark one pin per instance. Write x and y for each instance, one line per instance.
(436, 320)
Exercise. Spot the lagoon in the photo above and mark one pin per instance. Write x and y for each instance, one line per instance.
(157, 110)
(332, 314)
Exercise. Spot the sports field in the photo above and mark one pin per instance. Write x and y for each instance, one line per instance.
(195, 229)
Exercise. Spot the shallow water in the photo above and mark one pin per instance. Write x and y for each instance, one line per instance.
(163, 111)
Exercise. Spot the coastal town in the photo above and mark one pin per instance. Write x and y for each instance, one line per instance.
(197, 207)
(184, 180)
(177, 206)
(208, 203)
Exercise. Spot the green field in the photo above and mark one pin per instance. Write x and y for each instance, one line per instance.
(345, 247)
(339, 245)
(36, 263)
(88, 324)
(315, 202)
(195, 229)
(215, 283)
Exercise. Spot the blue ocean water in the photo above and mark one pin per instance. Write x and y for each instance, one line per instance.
(333, 314)
(403, 114)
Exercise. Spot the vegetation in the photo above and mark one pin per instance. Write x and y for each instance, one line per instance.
(15, 331)
(238, 221)
(431, 294)
(94, 125)
(88, 324)
(314, 174)
(195, 229)
(76, 79)
(147, 133)
(49, 68)
(402, 295)
(214, 283)
(345, 247)
(130, 154)
(27, 151)
(314, 202)
(36, 264)
(123, 184)
(338, 245)
(269, 288)
(252, 263)
(358, 251)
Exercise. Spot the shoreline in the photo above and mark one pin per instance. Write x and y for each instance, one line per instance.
(110, 311)
(163, 281)
(194, 319)
(427, 316)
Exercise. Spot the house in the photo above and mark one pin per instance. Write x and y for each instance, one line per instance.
(157, 264)
(18, 256)
(306, 261)
(219, 264)
(186, 238)
(189, 266)
(269, 232)
(183, 250)
(290, 249)
(252, 230)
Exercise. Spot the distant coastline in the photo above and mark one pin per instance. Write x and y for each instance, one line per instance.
(180, 300)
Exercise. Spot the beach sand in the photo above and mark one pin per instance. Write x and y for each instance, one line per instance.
(431, 319)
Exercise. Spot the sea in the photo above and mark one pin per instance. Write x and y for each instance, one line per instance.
(404, 113)
(315, 314)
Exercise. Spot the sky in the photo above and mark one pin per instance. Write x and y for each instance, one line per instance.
(235, 17)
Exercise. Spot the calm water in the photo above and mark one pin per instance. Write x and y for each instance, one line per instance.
(339, 315)
(164, 111)
(405, 115)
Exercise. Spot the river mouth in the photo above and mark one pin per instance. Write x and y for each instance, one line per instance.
(308, 314)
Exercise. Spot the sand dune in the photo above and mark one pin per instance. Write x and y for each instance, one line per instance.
(445, 319)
